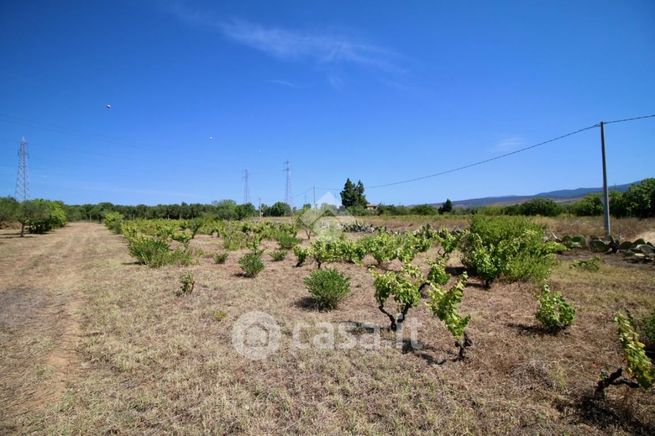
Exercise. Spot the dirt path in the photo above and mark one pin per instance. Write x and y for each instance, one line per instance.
(40, 282)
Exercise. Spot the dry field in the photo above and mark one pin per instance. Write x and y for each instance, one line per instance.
(93, 343)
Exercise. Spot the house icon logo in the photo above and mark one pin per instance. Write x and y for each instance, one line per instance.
(256, 335)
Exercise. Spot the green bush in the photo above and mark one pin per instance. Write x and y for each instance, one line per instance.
(114, 221)
(591, 205)
(591, 265)
(328, 286)
(445, 305)
(403, 286)
(41, 216)
(286, 241)
(155, 252)
(540, 206)
(508, 247)
(187, 283)
(639, 365)
(251, 264)
(639, 199)
(649, 328)
(278, 255)
(554, 312)
(220, 258)
(8, 209)
(234, 240)
(301, 254)
(437, 274)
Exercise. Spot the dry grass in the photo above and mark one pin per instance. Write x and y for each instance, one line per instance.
(146, 361)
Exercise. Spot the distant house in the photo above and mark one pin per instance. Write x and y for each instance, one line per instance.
(371, 206)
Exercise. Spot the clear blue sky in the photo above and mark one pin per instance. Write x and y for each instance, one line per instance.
(373, 90)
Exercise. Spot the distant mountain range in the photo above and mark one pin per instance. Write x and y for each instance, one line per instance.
(563, 196)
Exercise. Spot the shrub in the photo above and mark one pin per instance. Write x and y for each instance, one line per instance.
(286, 241)
(539, 206)
(639, 199)
(554, 312)
(278, 255)
(591, 205)
(148, 250)
(512, 247)
(403, 286)
(328, 286)
(8, 209)
(114, 221)
(591, 265)
(155, 252)
(187, 283)
(301, 254)
(279, 209)
(649, 328)
(218, 315)
(639, 366)
(220, 258)
(444, 305)
(234, 240)
(383, 247)
(437, 274)
(251, 264)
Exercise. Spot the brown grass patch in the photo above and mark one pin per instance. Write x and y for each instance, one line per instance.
(148, 361)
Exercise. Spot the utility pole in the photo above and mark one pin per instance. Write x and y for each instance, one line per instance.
(22, 182)
(246, 189)
(606, 196)
(287, 191)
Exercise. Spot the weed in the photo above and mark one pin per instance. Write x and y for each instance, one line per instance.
(328, 286)
(187, 283)
(251, 264)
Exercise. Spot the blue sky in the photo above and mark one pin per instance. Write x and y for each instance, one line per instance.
(372, 90)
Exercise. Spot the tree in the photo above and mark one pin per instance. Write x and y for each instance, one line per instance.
(424, 209)
(246, 210)
(226, 209)
(446, 207)
(591, 205)
(540, 206)
(280, 209)
(8, 209)
(40, 216)
(639, 199)
(353, 194)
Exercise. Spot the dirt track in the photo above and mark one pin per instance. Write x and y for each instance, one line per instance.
(40, 280)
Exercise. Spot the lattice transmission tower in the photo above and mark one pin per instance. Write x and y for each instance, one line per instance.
(246, 188)
(22, 181)
(288, 197)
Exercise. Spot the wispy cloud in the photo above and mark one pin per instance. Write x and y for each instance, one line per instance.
(509, 143)
(327, 50)
(285, 83)
(320, 47)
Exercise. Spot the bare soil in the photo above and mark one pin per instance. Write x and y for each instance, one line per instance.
(93, 343)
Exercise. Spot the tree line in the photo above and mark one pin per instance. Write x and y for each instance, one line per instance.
(42, 215)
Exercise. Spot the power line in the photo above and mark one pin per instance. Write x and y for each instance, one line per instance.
(463, 167)
(629, 119)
